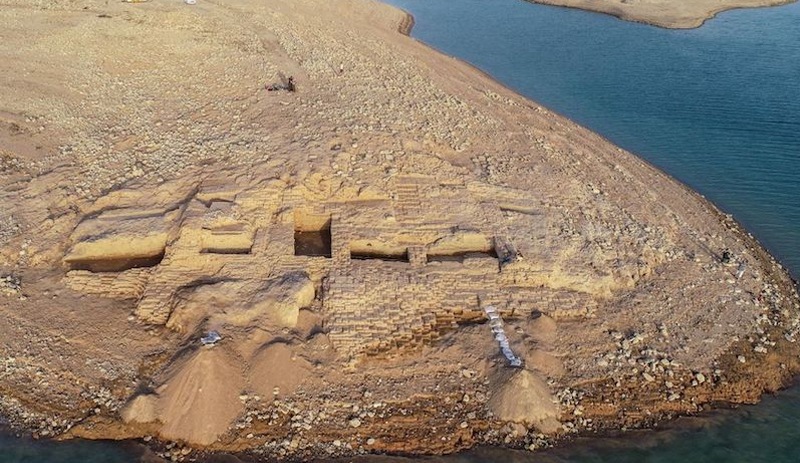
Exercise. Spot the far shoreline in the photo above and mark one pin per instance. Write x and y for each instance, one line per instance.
(664, 21)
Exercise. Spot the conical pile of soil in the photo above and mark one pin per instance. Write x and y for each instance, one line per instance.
(199, 398)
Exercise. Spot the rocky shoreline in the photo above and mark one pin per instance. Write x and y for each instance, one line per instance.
(147, 210)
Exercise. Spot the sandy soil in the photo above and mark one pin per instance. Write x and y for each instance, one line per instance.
(142, 159)
(672, 14)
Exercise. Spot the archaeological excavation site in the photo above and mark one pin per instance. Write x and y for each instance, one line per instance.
(399, 256)
(277, 270)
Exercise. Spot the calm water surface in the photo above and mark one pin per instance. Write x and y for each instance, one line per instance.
(16, 450)
(717, 107)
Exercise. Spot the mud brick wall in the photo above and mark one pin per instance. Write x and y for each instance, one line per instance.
(129, 284)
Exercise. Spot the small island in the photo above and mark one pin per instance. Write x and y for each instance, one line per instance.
(289, 230)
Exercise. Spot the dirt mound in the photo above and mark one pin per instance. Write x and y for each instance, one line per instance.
(277, 369)
(199, 397)
(141, 409)
(546, 363)
(543, 329)
(525, 398)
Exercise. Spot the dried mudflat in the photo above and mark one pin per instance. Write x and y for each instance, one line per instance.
(671, 14)
(344, 240)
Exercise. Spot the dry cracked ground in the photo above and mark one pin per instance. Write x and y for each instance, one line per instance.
(345, 240)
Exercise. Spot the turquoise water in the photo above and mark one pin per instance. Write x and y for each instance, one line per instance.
(717, 107)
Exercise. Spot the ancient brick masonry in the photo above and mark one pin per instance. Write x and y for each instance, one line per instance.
(392, 272)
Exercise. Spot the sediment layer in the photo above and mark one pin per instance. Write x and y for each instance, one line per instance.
(162, 189)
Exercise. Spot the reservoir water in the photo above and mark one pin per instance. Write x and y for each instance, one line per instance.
(24, 450)
(717, 107)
